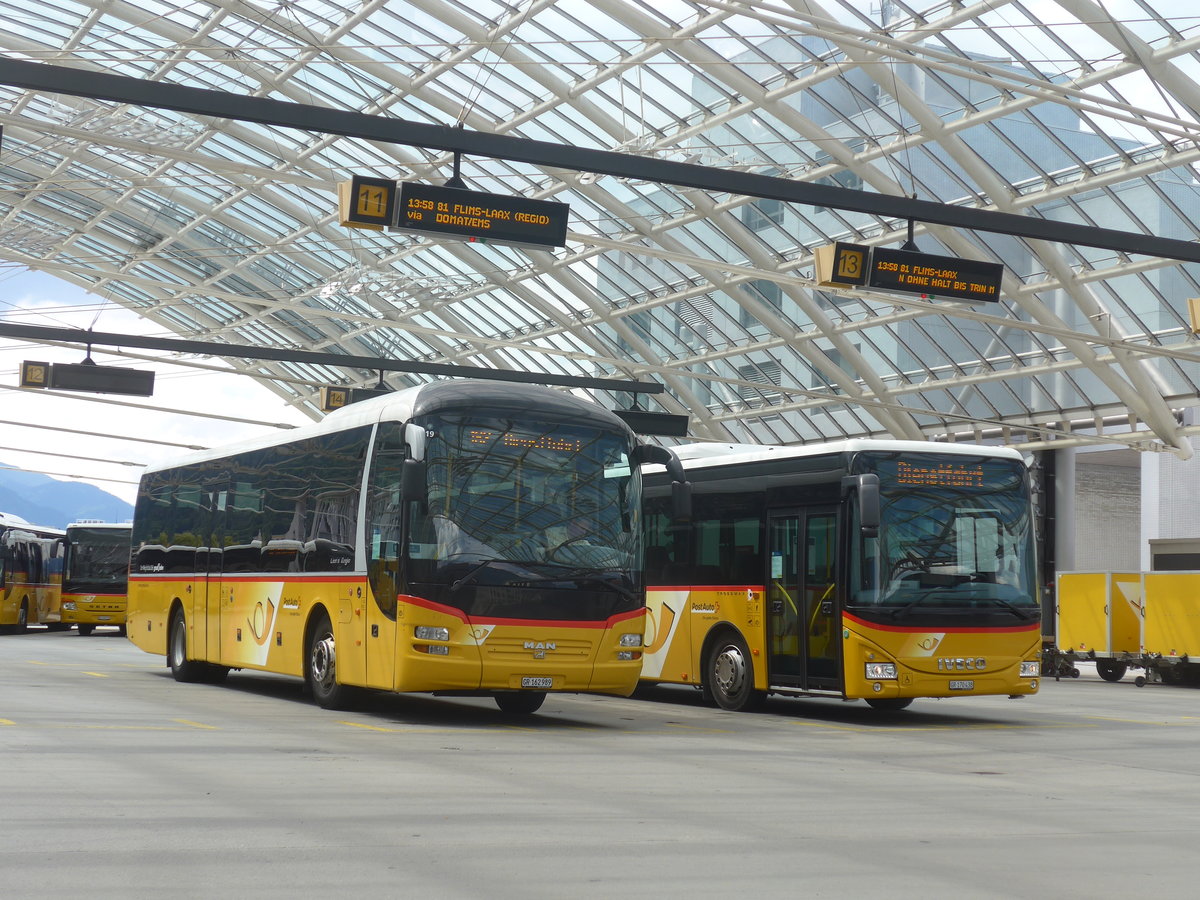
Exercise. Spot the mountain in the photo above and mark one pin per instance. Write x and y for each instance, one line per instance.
(42, 500)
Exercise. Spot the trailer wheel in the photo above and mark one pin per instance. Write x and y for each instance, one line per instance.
(523, 703)
(889, 704)
(1111, 669)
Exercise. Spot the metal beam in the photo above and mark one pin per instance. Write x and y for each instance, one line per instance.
(44, 334)
(324, 120)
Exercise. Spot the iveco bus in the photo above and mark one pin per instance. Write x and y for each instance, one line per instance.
(866, 570)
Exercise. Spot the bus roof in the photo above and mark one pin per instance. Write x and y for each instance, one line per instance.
(400, 406)
(8, 520)
(702, 455)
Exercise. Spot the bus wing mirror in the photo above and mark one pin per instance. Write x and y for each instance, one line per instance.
(681, 488)
(412, 481)
(866, 489)
(681, 501)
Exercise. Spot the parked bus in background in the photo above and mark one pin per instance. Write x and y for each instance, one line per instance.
(867, 569)
(95, 575)
(30, 575)
(459, 537)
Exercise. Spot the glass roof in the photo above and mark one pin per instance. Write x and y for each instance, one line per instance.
(1075, 111)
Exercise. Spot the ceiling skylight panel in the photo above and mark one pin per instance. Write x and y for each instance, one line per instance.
(51, 24)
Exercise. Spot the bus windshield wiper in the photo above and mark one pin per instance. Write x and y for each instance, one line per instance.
(907, 607)
(473, 573)
(589, 576)
(1022, 614)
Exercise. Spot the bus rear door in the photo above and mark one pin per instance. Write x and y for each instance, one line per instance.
(802, 600)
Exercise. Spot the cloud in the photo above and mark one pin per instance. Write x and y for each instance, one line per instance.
(30, 298)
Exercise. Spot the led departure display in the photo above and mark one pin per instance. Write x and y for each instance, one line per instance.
(940, 474)
(477, 216)
(525, 441)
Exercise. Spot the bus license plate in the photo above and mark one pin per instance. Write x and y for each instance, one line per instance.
(962, 685)
(537, 682)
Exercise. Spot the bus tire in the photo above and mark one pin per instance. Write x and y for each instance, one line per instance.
(185, 670)
(22, 619)
(520, 703)
(889, 704)
(729, 674)
(85, 630)
(320, 666)
(1110, 669)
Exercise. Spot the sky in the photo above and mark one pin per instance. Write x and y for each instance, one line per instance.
(114, 422)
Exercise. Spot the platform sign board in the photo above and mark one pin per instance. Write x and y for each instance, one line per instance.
(478, 216)
(842, 263)
(935, 276)
(367, 202)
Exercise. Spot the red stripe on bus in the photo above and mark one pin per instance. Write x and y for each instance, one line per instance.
(976, 629)
(282, 576)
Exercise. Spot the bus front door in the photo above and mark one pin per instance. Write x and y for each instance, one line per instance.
(802, 600)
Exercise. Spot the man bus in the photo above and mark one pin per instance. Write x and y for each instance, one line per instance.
(413, 542)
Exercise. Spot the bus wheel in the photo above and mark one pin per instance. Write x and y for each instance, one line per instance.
(322, 667)
(729, 674)
(22, 619)
(184, 669)
(1110, 669)
(521, 703)
(85, 630)
(889, 704)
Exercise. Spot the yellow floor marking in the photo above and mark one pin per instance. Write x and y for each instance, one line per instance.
(192, 724)
(368, 727)
(7, 722)
(96, 674)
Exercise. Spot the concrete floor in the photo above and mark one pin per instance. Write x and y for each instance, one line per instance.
(117, 782)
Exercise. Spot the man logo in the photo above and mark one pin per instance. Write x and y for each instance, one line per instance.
(539, 648)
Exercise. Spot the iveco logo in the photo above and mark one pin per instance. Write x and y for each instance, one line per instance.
(960, 664)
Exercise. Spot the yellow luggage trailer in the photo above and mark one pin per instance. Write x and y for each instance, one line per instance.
(1123, 620)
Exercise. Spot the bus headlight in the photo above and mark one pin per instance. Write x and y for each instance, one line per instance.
(68, 605)
(1031, 668)
(430, 633)
(630, 640)
(880, 671)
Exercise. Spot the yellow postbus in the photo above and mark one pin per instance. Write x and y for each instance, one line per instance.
(876, 570)
(461, 537)
(95, 575)
(31, 559)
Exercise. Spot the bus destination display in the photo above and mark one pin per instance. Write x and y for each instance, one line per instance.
(478, 216)
(942, 474)
(525, 441)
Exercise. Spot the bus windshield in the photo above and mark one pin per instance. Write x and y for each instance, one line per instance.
(954, 532)
(97, 559)
(546, 498)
